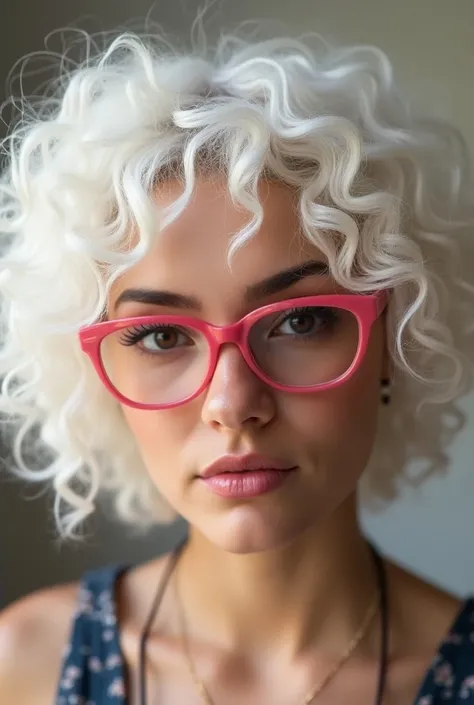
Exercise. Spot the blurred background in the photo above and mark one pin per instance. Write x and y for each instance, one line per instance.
(431, 43)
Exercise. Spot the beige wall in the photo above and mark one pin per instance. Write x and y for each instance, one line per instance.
(432, 45)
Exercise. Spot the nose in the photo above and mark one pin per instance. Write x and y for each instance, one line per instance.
(236, 398)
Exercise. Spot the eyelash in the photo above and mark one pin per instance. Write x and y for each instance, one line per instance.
(308, 309)
(133, 336)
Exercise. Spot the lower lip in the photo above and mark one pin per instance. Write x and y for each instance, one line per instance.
(239, 485)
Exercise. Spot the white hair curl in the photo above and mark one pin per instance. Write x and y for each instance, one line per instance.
(386, 195)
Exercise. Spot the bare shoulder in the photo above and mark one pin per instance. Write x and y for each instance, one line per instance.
(424, 612)
(33, 634)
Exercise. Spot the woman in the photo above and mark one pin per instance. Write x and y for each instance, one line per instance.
(230, 287)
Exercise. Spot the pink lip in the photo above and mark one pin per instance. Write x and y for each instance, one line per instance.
(244, 463)
(245, 475)
(240, 485)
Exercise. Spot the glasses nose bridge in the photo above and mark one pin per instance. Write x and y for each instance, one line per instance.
(233, 334)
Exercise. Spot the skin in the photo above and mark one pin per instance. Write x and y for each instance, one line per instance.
(274, 587)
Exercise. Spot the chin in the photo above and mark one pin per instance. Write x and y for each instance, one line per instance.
(247, 529)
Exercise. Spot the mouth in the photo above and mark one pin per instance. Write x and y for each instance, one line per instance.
(253, 462)
(241, 477)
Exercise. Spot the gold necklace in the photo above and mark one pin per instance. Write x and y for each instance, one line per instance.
(315, 690)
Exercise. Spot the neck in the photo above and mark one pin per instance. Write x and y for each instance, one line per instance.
(315, 589)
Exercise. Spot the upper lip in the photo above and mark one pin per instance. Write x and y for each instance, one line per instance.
(244, 463)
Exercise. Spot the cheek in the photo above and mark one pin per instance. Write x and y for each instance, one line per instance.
(338, 427)
(352, 410)
(160, 436)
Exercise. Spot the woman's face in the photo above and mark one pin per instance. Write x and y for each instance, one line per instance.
(326, 436)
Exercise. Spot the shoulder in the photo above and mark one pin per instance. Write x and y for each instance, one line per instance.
(425, 614)
(33, 635)
(431, 641)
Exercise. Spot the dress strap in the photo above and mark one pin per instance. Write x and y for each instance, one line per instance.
(162, 585)
(93, 666)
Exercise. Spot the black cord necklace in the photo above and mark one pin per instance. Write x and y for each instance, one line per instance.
(384, 626)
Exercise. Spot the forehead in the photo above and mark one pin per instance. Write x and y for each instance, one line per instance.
(213, 218)
(191, 254)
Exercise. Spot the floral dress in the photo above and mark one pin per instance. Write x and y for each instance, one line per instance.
(93, 671)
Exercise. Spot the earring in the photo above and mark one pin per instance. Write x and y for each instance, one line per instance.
(385, 395)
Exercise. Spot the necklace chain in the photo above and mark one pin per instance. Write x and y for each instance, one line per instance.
(316, 689)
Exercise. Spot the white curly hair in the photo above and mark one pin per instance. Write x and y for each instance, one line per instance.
(385, 194)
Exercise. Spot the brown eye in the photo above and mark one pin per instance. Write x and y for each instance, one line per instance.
(156, 338)
(164, 339)
(301, 323)
(307, 322)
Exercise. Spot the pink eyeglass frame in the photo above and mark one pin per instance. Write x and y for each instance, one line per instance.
(365, 307)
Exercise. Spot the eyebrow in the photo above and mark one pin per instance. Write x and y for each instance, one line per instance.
(271, 285)
(284, 279)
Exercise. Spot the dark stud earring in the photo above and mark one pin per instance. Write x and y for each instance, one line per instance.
(385, 390)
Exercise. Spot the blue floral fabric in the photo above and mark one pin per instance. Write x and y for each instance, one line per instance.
(93, 671)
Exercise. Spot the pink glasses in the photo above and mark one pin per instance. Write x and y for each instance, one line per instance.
(300, 345)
